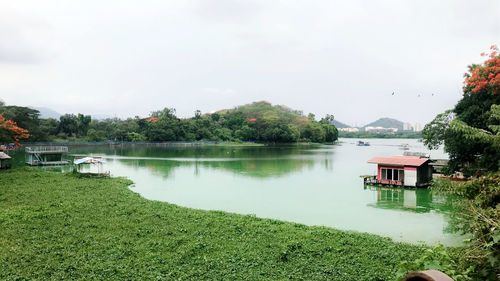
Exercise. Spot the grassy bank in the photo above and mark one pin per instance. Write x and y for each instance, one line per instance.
(59, 226)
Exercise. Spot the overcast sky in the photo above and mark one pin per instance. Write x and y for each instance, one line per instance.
(127, 58)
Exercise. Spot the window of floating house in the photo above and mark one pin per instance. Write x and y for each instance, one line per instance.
(392, 174)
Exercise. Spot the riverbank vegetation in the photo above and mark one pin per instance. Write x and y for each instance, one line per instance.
(61, 226)
(259, 121)
(478, 214)
(471, 136)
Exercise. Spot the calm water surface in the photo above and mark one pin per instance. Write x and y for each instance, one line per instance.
(312, 185)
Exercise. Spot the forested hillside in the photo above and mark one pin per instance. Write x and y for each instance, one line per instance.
(386, 123)
(259, 121)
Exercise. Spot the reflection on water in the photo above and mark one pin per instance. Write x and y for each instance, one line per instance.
(314, 185)
(249, 167)
(248, 161)
(414, 200)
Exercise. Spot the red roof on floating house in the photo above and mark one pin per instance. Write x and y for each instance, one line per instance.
(399, 160)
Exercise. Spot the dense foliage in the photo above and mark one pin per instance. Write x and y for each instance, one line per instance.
(478, 202)
(437, 258)
(470, 131)
(10, 132)
(59, 226)
(259, 121)
(471, 135)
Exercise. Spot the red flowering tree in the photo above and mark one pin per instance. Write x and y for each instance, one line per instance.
(152, 120)
(10, 132)
(485, 76)
(470, 131)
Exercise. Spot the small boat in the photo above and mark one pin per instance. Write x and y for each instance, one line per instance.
(404, 146)
(363, 143)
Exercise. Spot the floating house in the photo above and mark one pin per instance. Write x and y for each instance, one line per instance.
(3, 160)
(46, 155)
(95, 161)
(411, 171)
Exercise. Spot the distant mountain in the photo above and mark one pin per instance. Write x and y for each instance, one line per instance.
(50, 113)
(47, 113)
(101, 116)
(386, 123)
(339, 124)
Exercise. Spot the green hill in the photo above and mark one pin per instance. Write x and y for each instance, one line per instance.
(339, 124)
(386, 123)
(266, 112)
(263, 121)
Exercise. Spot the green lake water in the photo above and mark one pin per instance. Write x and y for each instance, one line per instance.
(314, 185)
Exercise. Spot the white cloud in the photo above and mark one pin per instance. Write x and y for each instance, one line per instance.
(337, 57)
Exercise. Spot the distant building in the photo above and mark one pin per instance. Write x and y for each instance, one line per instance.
(350, 130)
(380, 129)
(417, 127)
(407, 127)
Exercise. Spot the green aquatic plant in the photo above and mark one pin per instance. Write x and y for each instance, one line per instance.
(60, 226)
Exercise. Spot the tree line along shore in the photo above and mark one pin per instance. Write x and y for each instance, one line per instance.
(258, 121)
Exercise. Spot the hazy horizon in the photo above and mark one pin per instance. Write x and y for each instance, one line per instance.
(321, 57)
(105, 116)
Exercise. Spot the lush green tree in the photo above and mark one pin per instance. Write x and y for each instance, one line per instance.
(95, 136)
(50, 127)
(328, 119)
(311, 116)
(26, 118)
(224, 134)
(68, 124)
(259, 121)
(215, 117)
(133, 136)
(466, 131)
(314, 132)
(246, 133)
(235, 120)
(10, 132)
(83, 123)
(331, 133)
(166, 113)
(280, 132)
(471, 136)
(478, 214)
(434, 133)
